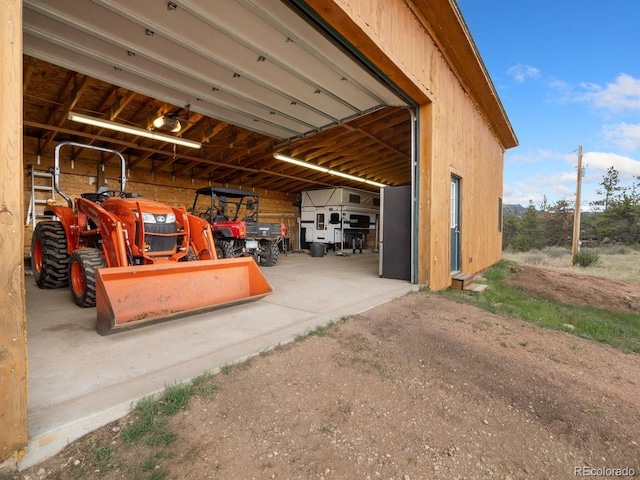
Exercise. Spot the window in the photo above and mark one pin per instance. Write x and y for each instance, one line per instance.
(454, 205)
(334, 218)
(320, 221)
(359, 221)
(353, 198)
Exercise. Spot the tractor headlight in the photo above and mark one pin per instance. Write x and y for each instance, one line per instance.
(169, 218)
(148, 218)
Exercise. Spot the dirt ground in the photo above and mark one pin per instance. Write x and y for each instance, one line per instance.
(568, 287)
(418, 388)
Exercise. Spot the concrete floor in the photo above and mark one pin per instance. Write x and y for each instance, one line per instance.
(79, 380)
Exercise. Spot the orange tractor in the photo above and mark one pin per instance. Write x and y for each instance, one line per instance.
(136, 260)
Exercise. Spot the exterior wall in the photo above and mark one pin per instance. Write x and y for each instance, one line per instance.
(274, 206)
(455, 138)
(464, 146)
(13, 338)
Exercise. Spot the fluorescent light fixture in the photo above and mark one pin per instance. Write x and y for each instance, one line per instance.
(375, 184)
(118, 127)
(347, 176)
(300, 163)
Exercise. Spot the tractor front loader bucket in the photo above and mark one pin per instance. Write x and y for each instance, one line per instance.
(130, 296)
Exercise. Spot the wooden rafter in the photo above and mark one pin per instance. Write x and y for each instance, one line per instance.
(74, 95)
(375, 146)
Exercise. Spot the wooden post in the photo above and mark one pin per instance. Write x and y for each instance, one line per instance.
(576, 212)
(13, 347)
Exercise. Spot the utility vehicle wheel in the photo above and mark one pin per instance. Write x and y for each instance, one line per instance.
(224, 249)
(82, 275)
(268, 254)
(49, 257)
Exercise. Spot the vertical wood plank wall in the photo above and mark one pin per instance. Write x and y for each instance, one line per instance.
(455, 138)
(13, 354)
(273, 206)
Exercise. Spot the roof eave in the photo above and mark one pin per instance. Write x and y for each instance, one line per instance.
(446, 24)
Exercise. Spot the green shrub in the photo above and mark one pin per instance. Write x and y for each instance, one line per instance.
(586, 258)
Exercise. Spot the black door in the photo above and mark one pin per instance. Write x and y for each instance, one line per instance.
(395, 244)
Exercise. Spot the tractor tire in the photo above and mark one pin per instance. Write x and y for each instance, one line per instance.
(82, 275)
(190, 256)
(49, 256)
(268, 254)
(224, 249)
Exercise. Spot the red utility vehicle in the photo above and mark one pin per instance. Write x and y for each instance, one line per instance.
(233, 215)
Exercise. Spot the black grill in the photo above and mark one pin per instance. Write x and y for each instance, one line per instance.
(161, 243)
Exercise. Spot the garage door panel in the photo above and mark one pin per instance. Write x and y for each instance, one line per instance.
(255, 64)
(41, 48)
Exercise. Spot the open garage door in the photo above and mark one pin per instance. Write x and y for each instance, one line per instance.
(246, 78)
(255, 64)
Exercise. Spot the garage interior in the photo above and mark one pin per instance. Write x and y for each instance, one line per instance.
(265, 80)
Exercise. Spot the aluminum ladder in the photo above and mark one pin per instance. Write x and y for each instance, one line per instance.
(42, 192)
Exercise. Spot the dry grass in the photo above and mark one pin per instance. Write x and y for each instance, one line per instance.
(618, 263)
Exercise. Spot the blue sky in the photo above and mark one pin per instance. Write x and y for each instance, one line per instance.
(568, 74)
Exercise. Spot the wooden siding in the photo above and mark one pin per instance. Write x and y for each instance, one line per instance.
(455, 135)
(13, 347)
(464, 146)
(458, 134)
(163, 187)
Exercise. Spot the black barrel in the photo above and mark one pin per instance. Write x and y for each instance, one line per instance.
(317, 250)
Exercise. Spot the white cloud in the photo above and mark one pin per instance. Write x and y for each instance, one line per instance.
(560, 85)
(553, 189)
(554, 185)
(534, 156)
(538, 187)
(521, 193)
(623, 135)
(628, 168)
(561, 179)
(520, 72)
(571, 158)
(534, 175)
(623, 94)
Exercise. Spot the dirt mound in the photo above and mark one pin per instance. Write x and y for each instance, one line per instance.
(576, 289)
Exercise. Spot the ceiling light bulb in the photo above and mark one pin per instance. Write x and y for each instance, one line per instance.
(170, 124)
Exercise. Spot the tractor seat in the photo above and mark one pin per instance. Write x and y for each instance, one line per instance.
(92, 196)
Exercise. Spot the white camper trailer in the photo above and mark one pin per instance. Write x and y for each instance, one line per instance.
(338, 217)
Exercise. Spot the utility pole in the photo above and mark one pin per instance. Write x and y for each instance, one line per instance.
(576, 215)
